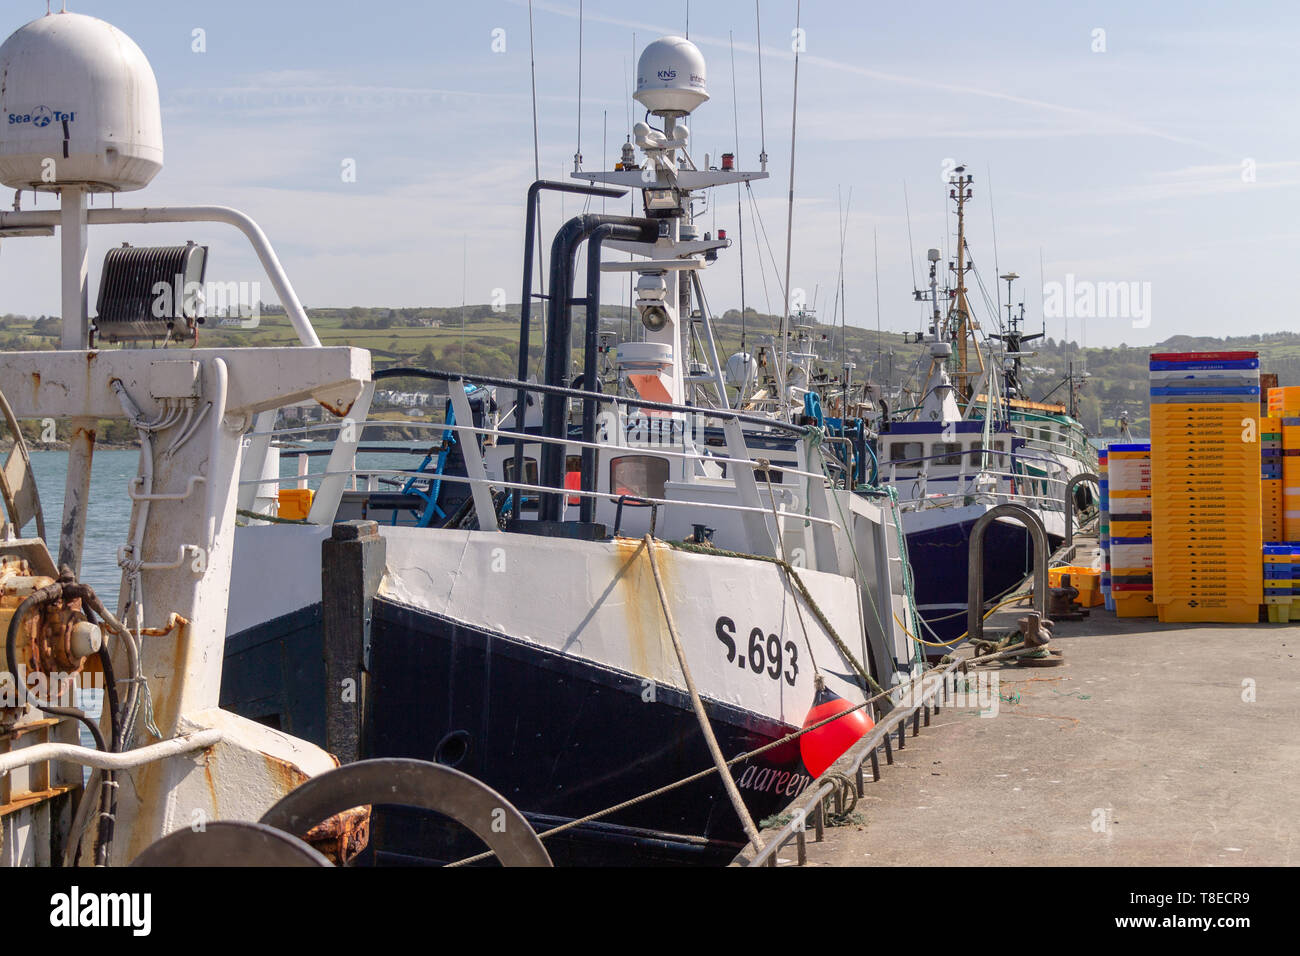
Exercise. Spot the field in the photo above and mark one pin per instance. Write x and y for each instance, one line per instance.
(479, 340)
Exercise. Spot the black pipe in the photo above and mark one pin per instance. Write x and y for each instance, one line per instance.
(530, 229)
(559, 327)
(647, 232)
(526, 300)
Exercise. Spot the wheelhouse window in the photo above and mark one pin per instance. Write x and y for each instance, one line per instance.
(906, 450)
(529, 502)
(530, 470)
(947, 453)
(641, 476)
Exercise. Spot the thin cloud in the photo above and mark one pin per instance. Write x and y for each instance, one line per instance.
(1103, 119)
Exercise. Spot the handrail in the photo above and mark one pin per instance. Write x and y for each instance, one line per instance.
(850, 762)
(527, 438)
(723, 413)
(175, 214)
(1015, 455)
(969, 475)
(975, 557)
(958, 500)
(1069, 501)
(1056, 447)
(781, 490)
(126, 760)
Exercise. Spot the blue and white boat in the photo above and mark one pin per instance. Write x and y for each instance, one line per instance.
(974, 441)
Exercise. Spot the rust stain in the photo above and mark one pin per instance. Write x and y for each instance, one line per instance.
(634, 605)
(165, 702)
(207, 776)
(341, 410)
(342, 836)
(284, 774)
(643, 612)
(173, 622)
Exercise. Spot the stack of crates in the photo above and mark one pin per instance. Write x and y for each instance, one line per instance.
(1295, 580)
(1290, 479)
(1270, 475)
(1128, 476)
(1284, 402)
(1284, 408)
(1205, 486)
(1279, 584)
(1103, 489)
(1281, 507)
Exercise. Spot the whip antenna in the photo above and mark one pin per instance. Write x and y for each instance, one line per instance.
(789, 214)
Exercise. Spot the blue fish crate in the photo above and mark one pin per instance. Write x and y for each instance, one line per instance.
(1207, 366)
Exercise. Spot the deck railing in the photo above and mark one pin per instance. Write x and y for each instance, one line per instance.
(1008, 483)
(805, 486)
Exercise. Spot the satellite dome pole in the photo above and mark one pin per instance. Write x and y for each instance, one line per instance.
(83, 116)
(75, 255)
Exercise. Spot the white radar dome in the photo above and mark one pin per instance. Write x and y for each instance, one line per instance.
(741, 369)
(670, 77)
(78, 107)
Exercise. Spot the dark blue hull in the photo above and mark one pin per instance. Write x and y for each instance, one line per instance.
(939, 558)
(559, 737)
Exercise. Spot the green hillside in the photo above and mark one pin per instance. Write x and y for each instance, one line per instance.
(479, 340)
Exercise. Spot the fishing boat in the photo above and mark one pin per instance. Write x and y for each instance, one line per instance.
(83, 120)
(541, 580)
(975, 440)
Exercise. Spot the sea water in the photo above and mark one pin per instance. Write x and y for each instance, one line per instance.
(109, 515)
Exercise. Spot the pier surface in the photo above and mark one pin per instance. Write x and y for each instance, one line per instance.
(1154, 744)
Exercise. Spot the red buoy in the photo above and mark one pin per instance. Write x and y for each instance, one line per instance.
(823, 746)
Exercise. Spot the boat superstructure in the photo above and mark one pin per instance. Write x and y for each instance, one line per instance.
(525, 568)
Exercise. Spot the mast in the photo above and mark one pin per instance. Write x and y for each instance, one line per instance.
(670, 85)
(1014, 338)
(959, 314)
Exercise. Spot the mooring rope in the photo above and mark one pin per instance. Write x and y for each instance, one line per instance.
(720, 762)
(748, 755)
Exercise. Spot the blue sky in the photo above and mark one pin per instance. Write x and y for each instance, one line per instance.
(1117, 166)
